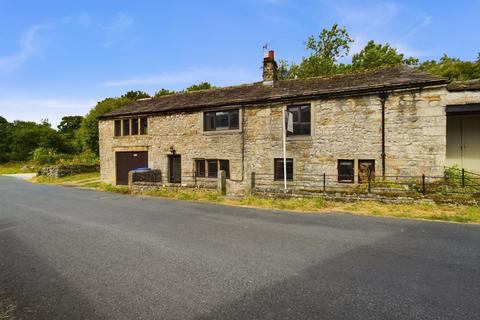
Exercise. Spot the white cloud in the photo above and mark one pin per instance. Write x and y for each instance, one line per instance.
(29, 46)
(225, 76)
(82, 19)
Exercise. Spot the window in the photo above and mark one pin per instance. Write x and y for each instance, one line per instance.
(134, 126)
(346, 171)
(301, 119)
(366, 168)
(225, 165)
(143, 126)
(212, 168)
(221, 120)
(126, 127)
(200, 168)
(118, 128)
(278, 174)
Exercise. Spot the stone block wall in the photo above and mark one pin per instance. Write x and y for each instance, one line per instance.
(60, 171)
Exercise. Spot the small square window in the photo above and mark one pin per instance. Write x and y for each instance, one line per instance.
(279, 170)
(366, 170)
(126, 127)
(118, 128)
(346, 171)
(200, 168)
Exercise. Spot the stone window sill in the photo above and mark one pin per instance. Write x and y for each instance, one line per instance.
(299, 138)
(214, 132)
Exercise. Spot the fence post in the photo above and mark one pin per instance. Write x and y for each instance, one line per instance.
(252, 182)
(369, 182)
(463, 178)
(222, 182)
(424, 191)
(324, 182)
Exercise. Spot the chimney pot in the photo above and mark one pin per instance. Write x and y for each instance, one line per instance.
(271, 54)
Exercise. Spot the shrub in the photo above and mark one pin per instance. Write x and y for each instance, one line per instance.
(44, 155)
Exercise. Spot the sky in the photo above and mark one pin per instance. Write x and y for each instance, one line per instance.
(59, 58)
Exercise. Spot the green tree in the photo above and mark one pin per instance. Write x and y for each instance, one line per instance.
(135, 95)
(88, 132)
(200, 86)
(325, 51)
(4, 140)
(378, 55)
(164, 92)
(69, 125)
(453, 68)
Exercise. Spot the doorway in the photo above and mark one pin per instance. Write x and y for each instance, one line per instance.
(174, 168)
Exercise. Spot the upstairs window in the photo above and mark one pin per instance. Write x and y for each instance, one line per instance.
(346, 171)
(143, 126)
(301, 119)
(278, 174)
(131, 126)
(134, 126)
(126, 127)
(221, 120)
(118, 128)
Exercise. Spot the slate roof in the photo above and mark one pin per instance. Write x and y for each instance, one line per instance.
(470, 85)
(285, 90)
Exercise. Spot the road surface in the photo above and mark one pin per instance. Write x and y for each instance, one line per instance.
(67, 253)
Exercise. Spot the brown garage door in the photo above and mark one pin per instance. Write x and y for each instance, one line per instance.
(128, 161)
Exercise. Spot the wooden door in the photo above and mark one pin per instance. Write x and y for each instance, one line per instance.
(128, 161)
(174, 168)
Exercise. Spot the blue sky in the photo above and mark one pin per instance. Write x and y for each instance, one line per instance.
(60, 57)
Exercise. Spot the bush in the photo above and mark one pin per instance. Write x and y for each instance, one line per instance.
(44, 155)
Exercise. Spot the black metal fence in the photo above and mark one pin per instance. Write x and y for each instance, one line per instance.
(454, 182)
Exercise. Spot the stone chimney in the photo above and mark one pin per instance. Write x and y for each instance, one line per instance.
(269, 69)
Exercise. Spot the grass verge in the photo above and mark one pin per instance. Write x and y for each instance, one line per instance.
(83, 180)
(427, 211)
(18, 167)
(7, 310)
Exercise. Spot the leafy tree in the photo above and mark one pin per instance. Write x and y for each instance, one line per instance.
(200, 86)
(4, 140)
(135, 95)
(378, 55)
(164, 92)
(88, 132)
(69, 125)
(452, 68)
(331, 45)
(27, 136)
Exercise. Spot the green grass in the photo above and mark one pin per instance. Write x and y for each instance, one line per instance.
(428, 211)
(18, 167)
(84, 180)
(7, 309)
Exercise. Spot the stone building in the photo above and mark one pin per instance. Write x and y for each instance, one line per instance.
(393, 121)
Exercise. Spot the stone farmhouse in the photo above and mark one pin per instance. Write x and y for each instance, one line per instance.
(392, 121)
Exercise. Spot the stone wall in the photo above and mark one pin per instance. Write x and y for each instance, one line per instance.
(342, 128)
(60, 171)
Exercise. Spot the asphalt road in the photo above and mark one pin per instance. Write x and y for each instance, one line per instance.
(77, 254)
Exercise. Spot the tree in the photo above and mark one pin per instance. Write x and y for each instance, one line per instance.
(4, 140)
(200, 86)
(331, 45)
(164, 92)
(452, 68)
(69, 125)
(135, 95)
(88, 132)
(378, 55)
